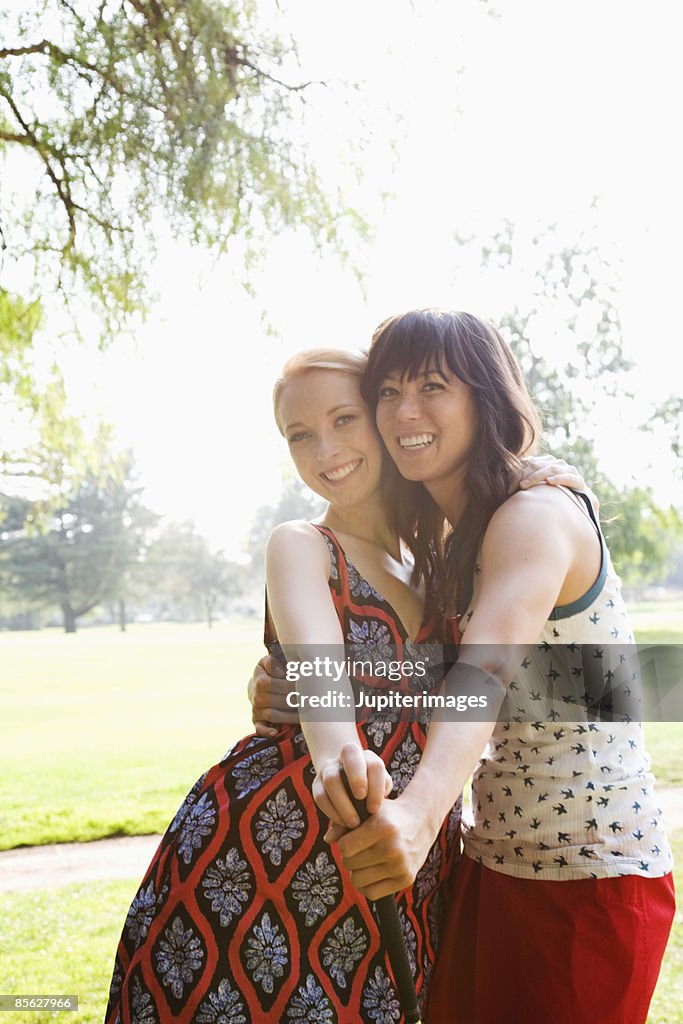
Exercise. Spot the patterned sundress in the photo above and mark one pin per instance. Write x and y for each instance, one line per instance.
(245, 914)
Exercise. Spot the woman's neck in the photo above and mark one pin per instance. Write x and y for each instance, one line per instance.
(366, 522)
(449, 494)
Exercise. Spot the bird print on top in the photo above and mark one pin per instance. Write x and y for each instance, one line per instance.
(569, 765)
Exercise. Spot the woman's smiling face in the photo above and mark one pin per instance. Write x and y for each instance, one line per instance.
(428, 424)
(331, 436)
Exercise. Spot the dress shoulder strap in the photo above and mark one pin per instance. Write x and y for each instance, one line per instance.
(328, 535)
(337, 556)
(269, 635)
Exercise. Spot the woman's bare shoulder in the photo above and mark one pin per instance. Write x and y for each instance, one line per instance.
(541, 515)
(539, 504)
(297, 538)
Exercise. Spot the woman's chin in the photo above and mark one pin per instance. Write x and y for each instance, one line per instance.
(410, 470)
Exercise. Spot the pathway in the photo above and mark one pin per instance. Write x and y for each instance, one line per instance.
(47, 867)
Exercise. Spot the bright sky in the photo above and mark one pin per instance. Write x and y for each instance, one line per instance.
(522, 109)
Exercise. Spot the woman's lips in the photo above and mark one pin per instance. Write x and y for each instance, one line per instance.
(340, 473)
(415, 442)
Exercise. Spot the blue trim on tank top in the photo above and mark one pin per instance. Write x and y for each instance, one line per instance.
(565, 611)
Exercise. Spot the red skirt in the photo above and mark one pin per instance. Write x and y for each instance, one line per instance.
(525, 951)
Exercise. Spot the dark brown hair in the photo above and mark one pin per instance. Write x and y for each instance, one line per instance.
(507, 429)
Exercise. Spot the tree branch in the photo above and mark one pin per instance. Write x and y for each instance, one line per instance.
(44, 46)
(61, 184)
(104, 224)
(21, 140)
(276, 81)
(72, 11)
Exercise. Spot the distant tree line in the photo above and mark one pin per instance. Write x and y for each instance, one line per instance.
(99, 549)
(100, 552)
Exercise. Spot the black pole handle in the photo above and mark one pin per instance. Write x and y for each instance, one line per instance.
(391, 933)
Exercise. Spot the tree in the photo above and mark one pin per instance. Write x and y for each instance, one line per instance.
(574, 295)
(82, 556)
(60, 449)
(133, 108)
(19, 322)
(22, 390)
(183, 568)
(644, 538)
(296, 501)
(573, 298)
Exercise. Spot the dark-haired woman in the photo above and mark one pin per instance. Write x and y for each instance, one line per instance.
(564, 900)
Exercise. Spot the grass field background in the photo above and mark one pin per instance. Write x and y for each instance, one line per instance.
(103, 733)
(64, 941)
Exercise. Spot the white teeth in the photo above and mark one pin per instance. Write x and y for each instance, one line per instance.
(416, 441)
(339, 474)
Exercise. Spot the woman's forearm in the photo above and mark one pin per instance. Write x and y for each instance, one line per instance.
(450, 756)
(326, 728)
(339, 758)
(453, 748)
(326, 739)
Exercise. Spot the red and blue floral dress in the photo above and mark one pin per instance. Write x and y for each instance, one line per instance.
(245, 914)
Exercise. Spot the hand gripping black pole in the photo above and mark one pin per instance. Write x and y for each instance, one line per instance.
(392, 934)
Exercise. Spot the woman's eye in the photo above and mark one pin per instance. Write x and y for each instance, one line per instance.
(297, 437)
(387, 392)
(341, 421)
(433, 385)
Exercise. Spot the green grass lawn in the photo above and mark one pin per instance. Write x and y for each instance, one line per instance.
(667, 1003)
(665, 744)
(104, 732)
(659, 622)
(64, 941)
(662, 623)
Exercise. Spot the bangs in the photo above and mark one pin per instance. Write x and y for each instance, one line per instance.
(406, 346)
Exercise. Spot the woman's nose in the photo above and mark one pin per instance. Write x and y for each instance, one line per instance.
(407, 408)
(328, 445)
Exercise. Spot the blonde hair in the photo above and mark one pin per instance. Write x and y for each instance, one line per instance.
(316, 359)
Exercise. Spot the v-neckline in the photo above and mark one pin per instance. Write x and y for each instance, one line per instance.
(381, 597)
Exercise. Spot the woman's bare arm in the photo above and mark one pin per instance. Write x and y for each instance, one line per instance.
(267, 689)
(535, 551)
(307, 625)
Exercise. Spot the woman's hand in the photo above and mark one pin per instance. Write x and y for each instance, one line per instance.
(368, 780)
(267, 690)
(546, 469)
(385, 854)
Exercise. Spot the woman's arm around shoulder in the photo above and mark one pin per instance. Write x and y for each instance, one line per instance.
(536, 546)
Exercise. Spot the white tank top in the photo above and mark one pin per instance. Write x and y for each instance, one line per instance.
(564, 800)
